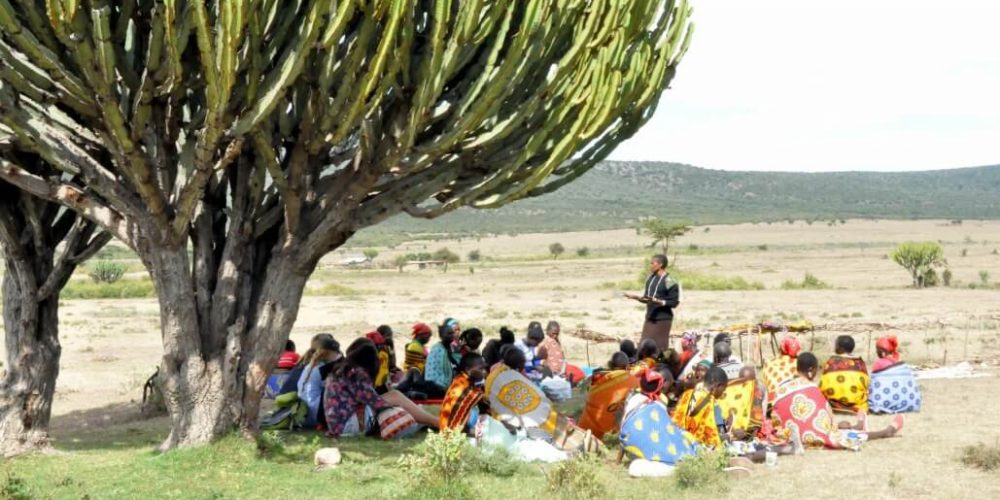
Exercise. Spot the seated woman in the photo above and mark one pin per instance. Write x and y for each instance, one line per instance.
(690, 356)
(647, 355)
(291, 382)
(384, 361)
(739, 404)
(469, 342)
(723, 358)
(535, 368)
(415, 357)
(781, 368)
(438, 371)
(698, 412)
(647, 432)
(628, 347)
(518, 403)
(491, 351)
(464, 400)
(893, 386)
(805, 412)
(289, 358)
(310, 382)
(353, 408)
(845, 379)
(608, 391)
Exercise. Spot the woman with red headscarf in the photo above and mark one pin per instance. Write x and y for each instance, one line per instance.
(893, 385)
(782, 368)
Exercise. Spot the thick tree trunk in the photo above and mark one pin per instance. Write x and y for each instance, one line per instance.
(32, 365)
(214, 368)
(197, 385)
(275, 312)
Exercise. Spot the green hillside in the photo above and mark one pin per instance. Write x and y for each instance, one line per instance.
(615, 193)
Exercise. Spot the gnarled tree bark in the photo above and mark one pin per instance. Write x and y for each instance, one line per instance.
(30, 231)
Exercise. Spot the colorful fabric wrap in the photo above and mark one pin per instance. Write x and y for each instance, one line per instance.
(608, 392)
(738, 402)
(460, 402)
(702, 424)
(415, 356)
(845, 384)
(804, 411)
(515, 400)
(396, 423)
(778, 371)
(894, 390)
(648, 433)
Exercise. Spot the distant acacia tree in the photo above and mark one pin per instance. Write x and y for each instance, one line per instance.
(474, 256)
(232, 144)
(370, 253)
(920, 259)
(400, 262)
(663, 232)
(446, 256)
(556, 249)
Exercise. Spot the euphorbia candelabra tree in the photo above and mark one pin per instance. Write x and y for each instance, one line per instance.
(264, 133)
(42, 243)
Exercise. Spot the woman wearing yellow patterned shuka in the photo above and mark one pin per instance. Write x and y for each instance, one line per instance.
(517, 402)
(737, 402)
(845, 379)
(781, 368)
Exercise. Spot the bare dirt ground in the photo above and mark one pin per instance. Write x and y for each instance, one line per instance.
(111, 346)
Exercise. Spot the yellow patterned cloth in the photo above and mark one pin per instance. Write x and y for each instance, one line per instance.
(700, 423)
(777, 371)
(738, 401)
(516, 400)
(845, 384)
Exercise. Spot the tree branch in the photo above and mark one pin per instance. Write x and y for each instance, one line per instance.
(70, 197)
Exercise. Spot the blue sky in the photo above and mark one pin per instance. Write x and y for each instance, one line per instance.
(805, 85)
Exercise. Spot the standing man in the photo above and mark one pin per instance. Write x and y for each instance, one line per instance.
(661, 295)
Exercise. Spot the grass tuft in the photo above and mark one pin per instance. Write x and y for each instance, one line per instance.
(982, 456)
(809, 282)
(123, 289)
(703, 472)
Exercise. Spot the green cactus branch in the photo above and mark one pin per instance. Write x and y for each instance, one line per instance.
(351, 110)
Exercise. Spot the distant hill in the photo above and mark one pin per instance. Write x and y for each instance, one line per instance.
(614, 194)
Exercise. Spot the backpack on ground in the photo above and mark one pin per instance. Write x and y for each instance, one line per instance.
(290, 414)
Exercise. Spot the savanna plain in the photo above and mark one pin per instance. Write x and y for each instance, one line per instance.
(104, 445)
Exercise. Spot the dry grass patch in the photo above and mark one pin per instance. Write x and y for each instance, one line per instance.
(982, 456)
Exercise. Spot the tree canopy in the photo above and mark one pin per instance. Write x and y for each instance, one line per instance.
(919, 258)
(663, 232)
(262, 134)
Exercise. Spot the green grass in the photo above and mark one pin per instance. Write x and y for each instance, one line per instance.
(121, 463)
(332, 290)
(809, 282)
(123, 289)
(689, 280)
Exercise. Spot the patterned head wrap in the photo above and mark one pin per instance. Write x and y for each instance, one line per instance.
(421, 331)
(649, 375)
(689, 339)
(790, 346)
(890, 345)
(376, 338)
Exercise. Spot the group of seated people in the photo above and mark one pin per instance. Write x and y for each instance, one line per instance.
(362, 391)
(663, 406)
(666, 406)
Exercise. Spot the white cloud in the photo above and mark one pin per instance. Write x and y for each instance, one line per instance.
(849, 85)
